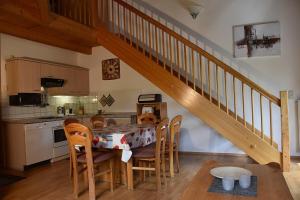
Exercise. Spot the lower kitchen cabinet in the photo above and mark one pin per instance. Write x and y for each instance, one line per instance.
(27, 144)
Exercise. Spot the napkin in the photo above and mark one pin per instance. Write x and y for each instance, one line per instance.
(126, 155)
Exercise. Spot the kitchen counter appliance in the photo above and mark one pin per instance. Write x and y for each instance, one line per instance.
(60, 144)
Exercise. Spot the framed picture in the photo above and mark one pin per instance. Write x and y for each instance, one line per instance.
(256, 40)
(111, 69)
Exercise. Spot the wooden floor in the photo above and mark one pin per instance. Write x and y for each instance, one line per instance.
(53, 182)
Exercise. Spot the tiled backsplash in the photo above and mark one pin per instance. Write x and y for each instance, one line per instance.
(90, 104)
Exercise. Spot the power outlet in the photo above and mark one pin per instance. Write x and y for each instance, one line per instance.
(291, 94)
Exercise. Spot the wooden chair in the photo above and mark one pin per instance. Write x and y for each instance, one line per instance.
(154, 154)
(172, 146)
(66, 122)
(78, 134)
(147, 118)
(98, 121)
(111, 122)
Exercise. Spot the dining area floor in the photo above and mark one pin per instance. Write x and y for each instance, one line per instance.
(52, 181)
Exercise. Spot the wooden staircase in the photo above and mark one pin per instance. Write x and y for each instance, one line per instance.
(250, 117)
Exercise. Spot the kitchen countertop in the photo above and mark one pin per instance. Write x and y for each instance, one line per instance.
(42, 119)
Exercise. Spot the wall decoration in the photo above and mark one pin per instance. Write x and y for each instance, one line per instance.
(111, 69)
(255, 40)
(103, 100)
(109, 100)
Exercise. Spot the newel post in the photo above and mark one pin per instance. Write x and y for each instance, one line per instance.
(285, 133)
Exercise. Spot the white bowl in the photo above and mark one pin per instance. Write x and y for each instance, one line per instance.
(234, 172)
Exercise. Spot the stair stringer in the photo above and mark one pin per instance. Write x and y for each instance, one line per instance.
(198, 105)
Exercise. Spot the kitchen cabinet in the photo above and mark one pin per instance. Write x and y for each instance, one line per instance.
(27, 144)
(23, 77)
(76, 82)
(38, 142)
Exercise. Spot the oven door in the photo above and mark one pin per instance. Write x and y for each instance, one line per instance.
(59, 137)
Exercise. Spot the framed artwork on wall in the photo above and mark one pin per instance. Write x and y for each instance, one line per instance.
(111, 69)
(257, 40)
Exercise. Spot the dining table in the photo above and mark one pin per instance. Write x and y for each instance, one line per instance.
(124, 139)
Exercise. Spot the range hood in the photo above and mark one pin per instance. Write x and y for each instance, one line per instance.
(52, 82)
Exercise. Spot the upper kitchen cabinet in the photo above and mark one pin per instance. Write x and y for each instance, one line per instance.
(82, 81)
(23, 76)
(76, 81)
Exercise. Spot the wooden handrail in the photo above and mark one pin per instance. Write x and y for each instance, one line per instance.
(196, 48)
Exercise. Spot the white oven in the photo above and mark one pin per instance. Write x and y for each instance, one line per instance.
(59, 137)
(60, 144)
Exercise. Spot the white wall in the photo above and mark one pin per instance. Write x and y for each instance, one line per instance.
(196, 136)
(273, 73)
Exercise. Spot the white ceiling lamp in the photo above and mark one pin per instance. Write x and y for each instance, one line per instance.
(194, 8)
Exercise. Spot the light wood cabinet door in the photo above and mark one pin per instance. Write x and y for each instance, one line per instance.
(23, 77)
(52, 71)
(76, 82)
(29, 76)
(55, 71)
(81, 81)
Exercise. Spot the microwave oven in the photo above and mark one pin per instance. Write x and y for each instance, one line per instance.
(25, 99)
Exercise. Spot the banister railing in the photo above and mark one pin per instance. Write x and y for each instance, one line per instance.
(234, 93)
(203, 72)
(195, 47)
(82, 11)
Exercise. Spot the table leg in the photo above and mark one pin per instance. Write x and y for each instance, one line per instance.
(129, 175)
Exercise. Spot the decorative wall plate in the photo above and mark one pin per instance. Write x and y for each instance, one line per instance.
(109, 100)
(111, 69)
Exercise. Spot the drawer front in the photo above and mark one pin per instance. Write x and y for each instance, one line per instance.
(60, 151)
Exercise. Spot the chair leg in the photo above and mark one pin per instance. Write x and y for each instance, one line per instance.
(112, 181)
(149, 172)
(75, 184)
(171, 160)
(141, 172)
(90, 169)
(71, 167)
(144, 172)
(177, 160)
(129, 175)
(85, 177)
(164, 170)
(157, 173)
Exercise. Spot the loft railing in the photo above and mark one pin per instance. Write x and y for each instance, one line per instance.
(82, 11)
(259, 111)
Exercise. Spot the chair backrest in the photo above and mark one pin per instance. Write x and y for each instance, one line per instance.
(175, 126)
(111, 122)
(78, 134)
(147, 118)
(70, 120)
(161, 136)
(98, 121)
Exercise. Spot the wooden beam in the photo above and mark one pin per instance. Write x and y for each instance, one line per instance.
(24, 12)
(44, 10)
(285, 133)
(74, 29)
(42, 37)
(15, 12)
